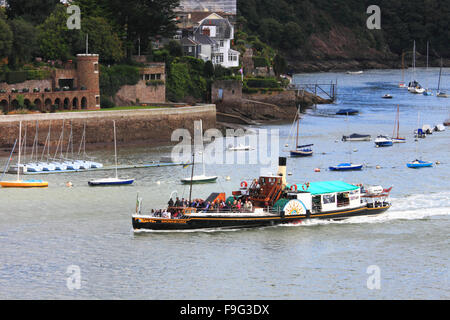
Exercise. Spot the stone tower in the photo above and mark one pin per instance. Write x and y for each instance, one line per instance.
(89, 79)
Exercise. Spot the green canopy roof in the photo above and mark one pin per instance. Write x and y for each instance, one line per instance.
(326, 187)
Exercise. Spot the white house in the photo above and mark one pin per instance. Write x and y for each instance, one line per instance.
(221, 32)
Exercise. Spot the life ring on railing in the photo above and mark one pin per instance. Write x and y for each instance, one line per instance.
(305, 186)
(244, 184)
(294, 187)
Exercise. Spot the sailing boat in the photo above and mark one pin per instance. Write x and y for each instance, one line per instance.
(418, 163)
(115, 180)
(395, 137)
(22, 183)
(203, 178)
(349, 166)
(427, 92)
(440, 94)
(300, 150)
(402, 83)
(414, 86)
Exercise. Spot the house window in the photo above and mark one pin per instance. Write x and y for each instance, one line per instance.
(221, 43)
(190, 49)
(232, 57)
(96, 67)
(221, 58)
(158, 76)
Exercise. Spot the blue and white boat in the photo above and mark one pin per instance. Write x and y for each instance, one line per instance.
(419, 164)
(346, 167)
(115, 181)
(383, 141)
(110, 182)
(348, 112)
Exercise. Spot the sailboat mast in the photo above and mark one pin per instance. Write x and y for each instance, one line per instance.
(202, 149)
(192, 175)
(20, 146)
(298, 125)
(115, 146)
(403, 67)
(398, 121)
(439, 81)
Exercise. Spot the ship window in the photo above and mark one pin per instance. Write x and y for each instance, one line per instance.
(329, 198)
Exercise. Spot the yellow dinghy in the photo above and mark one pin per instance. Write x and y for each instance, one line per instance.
(24, 184)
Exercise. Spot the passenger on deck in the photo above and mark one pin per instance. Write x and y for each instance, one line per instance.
(248, 206)
(170, 203)
(177, 202)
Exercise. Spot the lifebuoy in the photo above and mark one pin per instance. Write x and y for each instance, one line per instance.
(294, 187)
(244, 184)
(305, 186)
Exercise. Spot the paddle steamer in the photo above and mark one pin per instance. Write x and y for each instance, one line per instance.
(273, 201)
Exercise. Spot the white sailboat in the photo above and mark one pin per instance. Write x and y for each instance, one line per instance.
(427, 92)
(203, 178)
(440, 94)
(22, 183)
(113, 181)
(414, 86)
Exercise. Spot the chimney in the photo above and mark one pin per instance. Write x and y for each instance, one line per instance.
(282, 169)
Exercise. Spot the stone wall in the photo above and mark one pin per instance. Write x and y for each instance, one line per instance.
(226, 92)
(133, 126)
(140, 93)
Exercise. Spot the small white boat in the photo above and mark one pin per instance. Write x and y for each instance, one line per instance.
(240, 147)
(199, 179)
(383, 141)
(355, 72)
(387, 96)
(439, 127)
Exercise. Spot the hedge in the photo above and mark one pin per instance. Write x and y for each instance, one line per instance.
(262, 83)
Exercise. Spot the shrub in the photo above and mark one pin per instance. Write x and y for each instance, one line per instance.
(106, 103)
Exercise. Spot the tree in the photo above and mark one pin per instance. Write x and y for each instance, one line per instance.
(102, 39)
(58, 42)
(55, 39)
(209, 69)
(34, 11)
(279, 65)
(6, 39)
(132, 18)
(24, 44)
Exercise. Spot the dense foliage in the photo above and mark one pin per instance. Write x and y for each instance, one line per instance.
(287, 24)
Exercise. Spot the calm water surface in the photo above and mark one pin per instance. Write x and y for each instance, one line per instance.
(42, 232)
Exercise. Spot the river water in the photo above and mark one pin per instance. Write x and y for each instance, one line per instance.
(44, 232)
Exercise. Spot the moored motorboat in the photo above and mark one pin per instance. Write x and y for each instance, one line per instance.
(268, 201)
(240, 147)
(383, 141)
(349, 112)
(387, 96)
(357, 137)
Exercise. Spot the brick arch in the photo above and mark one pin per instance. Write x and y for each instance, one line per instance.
(84, 103)
(27, 103)
(48, 104)
(66, 104)
(4, 106)
(58, 103)
(75, 104)
(38, 104)
(14, 104)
